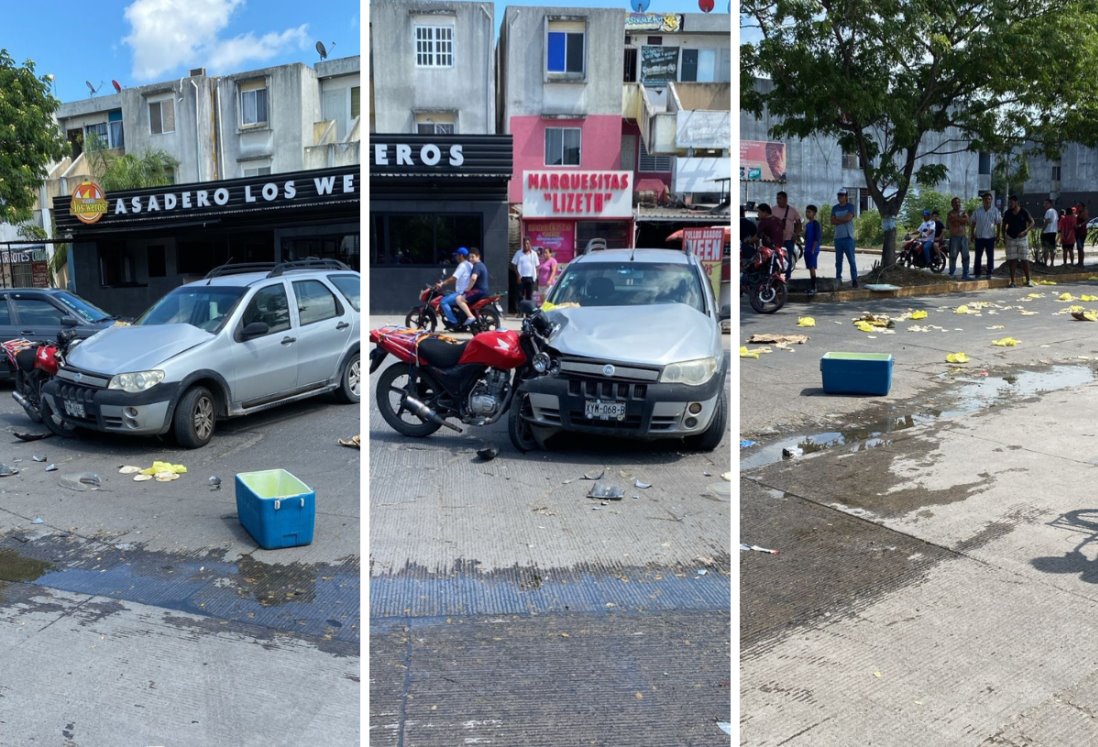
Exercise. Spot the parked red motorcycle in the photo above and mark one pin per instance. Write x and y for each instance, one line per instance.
(436, 377)
(33, 365)
(427, 314)
(762, 276)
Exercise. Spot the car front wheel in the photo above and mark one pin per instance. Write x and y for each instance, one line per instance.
(195, 415)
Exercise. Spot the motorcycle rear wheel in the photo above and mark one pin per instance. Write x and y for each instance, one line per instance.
(938, 262)
(768, 296)
(420, 318)
(33, 409)
(489, 319)
(393, 383)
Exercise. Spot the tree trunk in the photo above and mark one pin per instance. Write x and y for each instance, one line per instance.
(888, 255)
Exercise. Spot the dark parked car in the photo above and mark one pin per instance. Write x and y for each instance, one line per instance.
(36, 314)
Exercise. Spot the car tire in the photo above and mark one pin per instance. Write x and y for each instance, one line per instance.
(350, 381)
(56, 425)
(518, 427)
(715, 433)
(194, 419)
(388, 389)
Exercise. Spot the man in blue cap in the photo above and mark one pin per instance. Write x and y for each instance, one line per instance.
(460, 279)
(927, 231)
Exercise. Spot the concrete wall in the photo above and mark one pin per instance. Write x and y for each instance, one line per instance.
(400, 88)
(600, 146)
(525, 86)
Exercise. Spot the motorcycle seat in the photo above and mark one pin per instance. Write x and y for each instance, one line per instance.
(440, 353)
(25, 359)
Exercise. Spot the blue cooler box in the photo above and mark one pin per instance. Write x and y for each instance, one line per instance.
(276, 508)
(857, 373)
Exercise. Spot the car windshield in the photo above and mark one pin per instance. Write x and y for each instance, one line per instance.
(628, 284)
(349, 286)
(84, 311)
(203, 306)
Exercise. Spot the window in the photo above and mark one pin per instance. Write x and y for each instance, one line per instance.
(851, 160)
(698, 66)
(350, 287)
(565, 47)
(115, 130)
(436, 123)
(253, 103)
(653, 164)
(34, 311)
(356, 102)
(1056, 170)
(562, 146)
(162, 116)
(630, 73)
(985, 163)
(269, 305)
(419, 239)
(315, 302)
(257, 171)
(434, 46)
(96, 136)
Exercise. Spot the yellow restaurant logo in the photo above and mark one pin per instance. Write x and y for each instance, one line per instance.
(89, 202)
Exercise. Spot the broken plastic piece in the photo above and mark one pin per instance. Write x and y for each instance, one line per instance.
(141, 477)
(7, 470)
(31, 436)
(38, 458)
(746, 443)
(641, 485)
(757, 548)
(593, 475)
(487, 454)
(725, 726)
(38, 520)
(51, 467)
(606, 491)
(215, 482)
(128, 469)
(90, 478)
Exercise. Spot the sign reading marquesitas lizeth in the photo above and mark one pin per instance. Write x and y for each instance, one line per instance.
(300, 189)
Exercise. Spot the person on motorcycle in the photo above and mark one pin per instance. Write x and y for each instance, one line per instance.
(770, 227)
(460, 279)
(927, 231)
(477, 288)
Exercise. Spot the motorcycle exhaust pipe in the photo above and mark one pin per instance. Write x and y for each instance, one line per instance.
(426, 412)
(20, 399)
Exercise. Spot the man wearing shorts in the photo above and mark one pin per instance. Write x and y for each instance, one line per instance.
(1016, 225)
(1048, 234)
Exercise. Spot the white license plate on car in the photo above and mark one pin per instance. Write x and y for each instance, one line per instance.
(596, 409)
(74, 409)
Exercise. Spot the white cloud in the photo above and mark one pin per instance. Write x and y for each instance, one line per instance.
(170, 34)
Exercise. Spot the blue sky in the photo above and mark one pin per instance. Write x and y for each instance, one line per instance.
(137, 42)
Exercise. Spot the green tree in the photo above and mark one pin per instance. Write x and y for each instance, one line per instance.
(116, 172)
(30, 140)
(889, 78)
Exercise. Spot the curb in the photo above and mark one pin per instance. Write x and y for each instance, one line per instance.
(937, 289)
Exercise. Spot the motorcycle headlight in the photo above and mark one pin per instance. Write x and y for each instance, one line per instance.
(135, 382)
(541, 362)
(692, 373)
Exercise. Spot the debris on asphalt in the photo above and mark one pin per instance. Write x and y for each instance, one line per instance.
(880, 321)
(38, 520)
(956, 358)
(31, 436)
(487, 454)
(7, 470)
(1085, 316)
(726, 727)
(215, 482)
(746, 443)
(1006, 342)
(746, 353)
(757, 548)
(141, 477)
(705, 560)
(641, 485)
(726, 476)
(80, 481)
(919, 314)
(707, 473)
(702, 571)
(158, 467)
(38, 457)
(806, 321)
(1065, 296)
(90, 478)
(594, 475)
(51, 467)
(128, 469)
(606, 491)
(1087, 297)
(792, 453)
(354, 442)
(779, 340)
(166, 476)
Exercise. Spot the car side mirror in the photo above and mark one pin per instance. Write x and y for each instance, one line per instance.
(69, 321)
(255, 329)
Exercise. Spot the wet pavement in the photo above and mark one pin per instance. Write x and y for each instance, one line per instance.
(937, 546)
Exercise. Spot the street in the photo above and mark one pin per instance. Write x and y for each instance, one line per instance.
(506, 607)
(935, 576)
(145, 609)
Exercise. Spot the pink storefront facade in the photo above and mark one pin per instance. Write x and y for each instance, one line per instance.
(567, 219)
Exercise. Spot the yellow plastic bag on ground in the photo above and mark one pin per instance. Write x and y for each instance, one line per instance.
(1006, 342)
(157, 467)
(920, 314)
(956, 358)
(806, 321)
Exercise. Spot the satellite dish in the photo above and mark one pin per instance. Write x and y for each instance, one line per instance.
(706, 6)
(117, 86)
(639, 6)
(321, 50)
(94, 89)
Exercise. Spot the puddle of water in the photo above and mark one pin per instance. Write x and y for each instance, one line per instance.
(971, 396)
(15, 567)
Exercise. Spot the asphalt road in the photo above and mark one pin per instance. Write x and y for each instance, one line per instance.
(506, 607)
(143, 612)
(935, 580)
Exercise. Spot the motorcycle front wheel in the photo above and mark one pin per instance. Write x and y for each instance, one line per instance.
(768, 296)
(938, 262)
(420, 318)
(489, 319)
(393, 384)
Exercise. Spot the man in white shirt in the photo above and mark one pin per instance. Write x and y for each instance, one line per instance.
(927, 230)
(460, 279)
(987, 224)
(1048, 233)
(525, 263)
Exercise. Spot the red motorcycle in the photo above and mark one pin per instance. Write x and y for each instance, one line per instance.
(762, 276)
(911, 254)
(426, 315)
(33, 365)
(436, 377)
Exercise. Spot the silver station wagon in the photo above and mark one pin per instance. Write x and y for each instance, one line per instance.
(244, 339)
(635, 352)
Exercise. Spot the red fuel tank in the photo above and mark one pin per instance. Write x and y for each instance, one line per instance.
(498, 349)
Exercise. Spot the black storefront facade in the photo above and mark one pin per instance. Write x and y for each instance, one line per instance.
(145, 242)
(430, 194)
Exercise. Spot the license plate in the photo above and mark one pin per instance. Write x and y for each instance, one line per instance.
(596, 409)
(73, 409)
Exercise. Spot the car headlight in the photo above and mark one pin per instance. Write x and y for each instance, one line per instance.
(135, 382)
(691, 373)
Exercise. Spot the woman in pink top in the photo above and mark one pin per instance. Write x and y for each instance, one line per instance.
(547, 269)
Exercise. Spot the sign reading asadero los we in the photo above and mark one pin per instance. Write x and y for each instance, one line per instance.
(577, 194)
